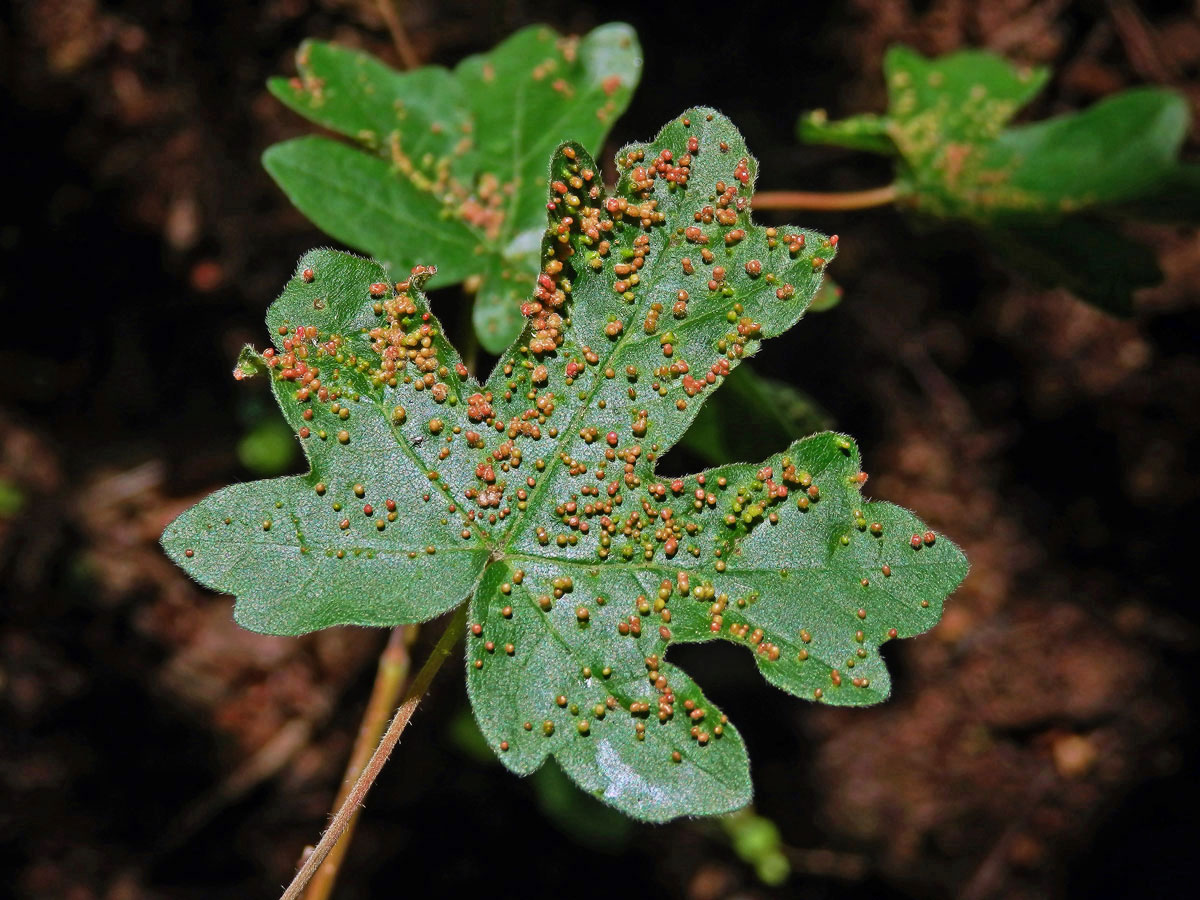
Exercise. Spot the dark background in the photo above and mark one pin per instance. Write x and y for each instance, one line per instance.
(1040, 741)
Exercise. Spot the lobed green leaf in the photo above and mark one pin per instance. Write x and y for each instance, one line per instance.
(450, 166)
(536, 493)
(958, 156)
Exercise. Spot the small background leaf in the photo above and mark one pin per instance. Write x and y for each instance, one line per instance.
(268, 448)
(757, 841)
(771, 414)
(450, 167)
(828, 296)
(1092, 259)
(959, 157)
(867, 132)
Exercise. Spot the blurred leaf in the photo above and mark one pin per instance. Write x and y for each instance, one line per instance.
(576, 814)
(1111, 153)
(950, 120)
(268, 448)
(828, 296)
(12, 499)
(450, 167)
(1091, 259)
(959, 157)
(536, 496)
(463, 734)
(757, 842)
(579, 816)
(1175, 200)
(772, 414)
(866, 132)
(964, 97)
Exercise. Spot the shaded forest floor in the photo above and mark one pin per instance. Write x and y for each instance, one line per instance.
(1039, 739)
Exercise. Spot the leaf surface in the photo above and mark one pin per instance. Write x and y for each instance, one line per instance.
(450, 166)
(366, 537)
(537, 494)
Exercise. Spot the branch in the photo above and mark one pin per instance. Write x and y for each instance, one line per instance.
(880, 196)
(394, 665)
(391, 15)
(358, 793)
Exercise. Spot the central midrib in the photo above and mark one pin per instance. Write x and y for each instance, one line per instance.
(515, 530)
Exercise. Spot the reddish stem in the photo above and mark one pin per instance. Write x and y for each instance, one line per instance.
(880, 196)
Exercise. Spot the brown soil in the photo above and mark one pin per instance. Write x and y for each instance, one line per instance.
(1039, 740)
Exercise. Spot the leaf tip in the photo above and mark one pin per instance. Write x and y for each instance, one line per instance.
(249, 363)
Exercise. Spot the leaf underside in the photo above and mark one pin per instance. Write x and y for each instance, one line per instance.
(958, 156)
(535, 493)
(450, 167)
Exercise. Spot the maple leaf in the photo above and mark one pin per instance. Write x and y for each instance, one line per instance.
(1046, 194)
(451, 165)
(535, 493)
(949, 123)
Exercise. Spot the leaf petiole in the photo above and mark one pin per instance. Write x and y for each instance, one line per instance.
(390, 681)
(809, 200)
(346, 813)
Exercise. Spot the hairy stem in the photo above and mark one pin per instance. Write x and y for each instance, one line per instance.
(393, 670)
(358, 793)
(391, 15)
(880, 196)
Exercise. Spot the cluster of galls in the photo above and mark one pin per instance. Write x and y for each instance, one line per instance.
(666, 709)
(641, 176)
(505, 458)
(746, 509)
(643, 214)
(728, 206)
(485, 208)
(573, 213)
(407, 337)
(402, 338)
(293, 364)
